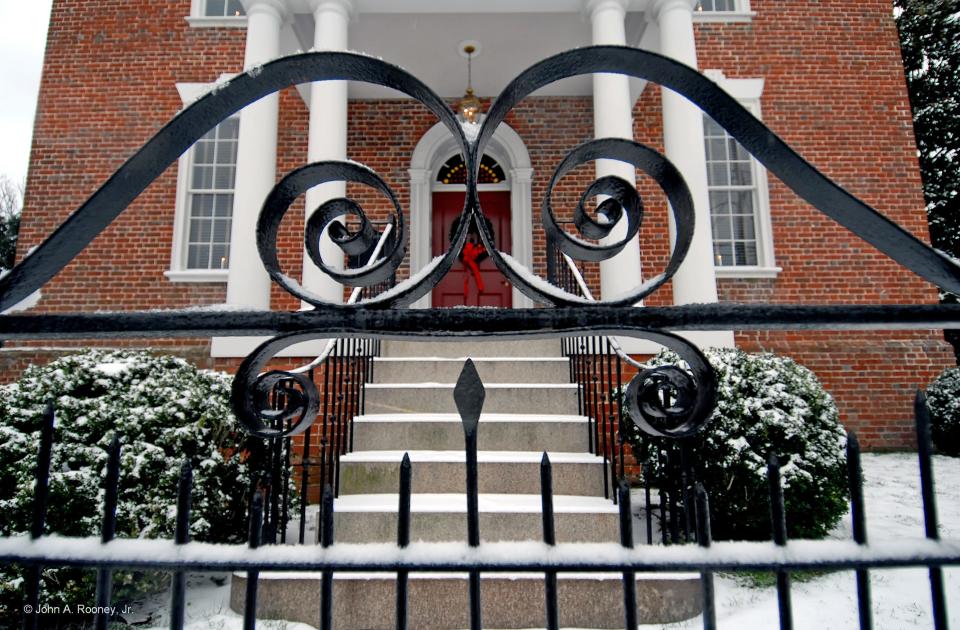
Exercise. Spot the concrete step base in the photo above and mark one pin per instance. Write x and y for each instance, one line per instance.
(479, 347)
(540, 398)
(497, 432)
(504, 472)
(439, 601)
(503, 517)
(491, 369)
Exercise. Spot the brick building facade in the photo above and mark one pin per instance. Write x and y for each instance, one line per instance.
(826, 76)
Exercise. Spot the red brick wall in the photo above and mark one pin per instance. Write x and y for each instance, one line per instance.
(833, 89)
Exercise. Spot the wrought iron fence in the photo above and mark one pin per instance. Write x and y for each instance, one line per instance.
(278, 405)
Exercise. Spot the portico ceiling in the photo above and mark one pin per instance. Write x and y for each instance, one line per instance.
(426, 42)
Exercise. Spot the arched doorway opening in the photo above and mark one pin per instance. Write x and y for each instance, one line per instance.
(475, 280)
(434, 150)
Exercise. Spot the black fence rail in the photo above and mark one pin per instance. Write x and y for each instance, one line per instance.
(180, 556)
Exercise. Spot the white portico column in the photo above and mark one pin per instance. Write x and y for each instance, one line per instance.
(248, 284)
(328, 137)
(695, 281)
(613, 118)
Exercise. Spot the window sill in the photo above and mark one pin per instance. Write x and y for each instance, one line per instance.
(203, 21)
(732, 17)
(747, 272)
(197, 275)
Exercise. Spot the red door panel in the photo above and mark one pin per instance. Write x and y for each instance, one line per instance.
(447, 206)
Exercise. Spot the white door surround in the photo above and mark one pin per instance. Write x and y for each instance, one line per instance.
(436, 147)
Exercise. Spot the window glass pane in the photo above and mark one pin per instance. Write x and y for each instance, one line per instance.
(732, 198)
(223, 206)
(717, 174)
(214, 169)
(202, 177)
(215, 8)
(235, 8)
(743, 228)
(740, 174)
(721, 229)
(723, 254)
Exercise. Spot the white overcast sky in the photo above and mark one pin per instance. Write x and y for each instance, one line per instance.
(23, 37)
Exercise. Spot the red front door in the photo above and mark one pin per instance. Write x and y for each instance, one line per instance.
(451, 290)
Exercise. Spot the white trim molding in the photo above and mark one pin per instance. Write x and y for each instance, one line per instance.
(435, 147)
(748, 92)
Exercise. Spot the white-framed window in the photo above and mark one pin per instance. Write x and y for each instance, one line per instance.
(722, 11)
(206, 177)
(738, 192)
(217, 13)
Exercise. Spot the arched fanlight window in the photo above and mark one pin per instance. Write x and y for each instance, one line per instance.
(454, 171)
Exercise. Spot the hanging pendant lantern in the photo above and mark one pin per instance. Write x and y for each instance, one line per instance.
(469, 108)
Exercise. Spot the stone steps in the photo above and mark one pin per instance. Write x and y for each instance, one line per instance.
(474, 348)
(497, 432)
(506, 472)
(538, 398)
(503, 517)
(491, 369)
(529, 407)
(439, 601)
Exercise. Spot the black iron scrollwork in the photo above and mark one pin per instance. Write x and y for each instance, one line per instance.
(664, 401)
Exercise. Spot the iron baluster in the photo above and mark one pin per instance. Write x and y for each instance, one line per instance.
(704, 539)
(469, 395)
(927, 491)
(178, 589)
(41, 492)
(108, 528)
(858, 517)
(550, 538)
(326, 580)
(778, 518)
(250, 598)
(626, 540)
(403, 539)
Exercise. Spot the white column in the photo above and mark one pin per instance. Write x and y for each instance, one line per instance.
(421, 205)
(521, 225)
(328, 136)
(695, 281)
(248, 284)
(683, 140)
(613, 118)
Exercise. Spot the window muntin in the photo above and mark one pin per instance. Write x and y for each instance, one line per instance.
(732, 186)
(210, 197)
(454, 171)
(223, 8)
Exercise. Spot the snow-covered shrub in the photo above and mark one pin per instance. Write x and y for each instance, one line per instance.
(943, 400)
(765, 404)
(164, 411)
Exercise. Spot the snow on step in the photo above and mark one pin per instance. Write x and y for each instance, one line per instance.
(498, 432)
(503, 517)
(491, 369)
(518, 472)
(559, 398)
(493, 503)
(439, 601)
(473, 348)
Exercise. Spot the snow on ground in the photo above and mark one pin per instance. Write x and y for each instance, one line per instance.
(901, 597)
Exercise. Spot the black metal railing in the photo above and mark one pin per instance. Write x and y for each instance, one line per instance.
(104, 554)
